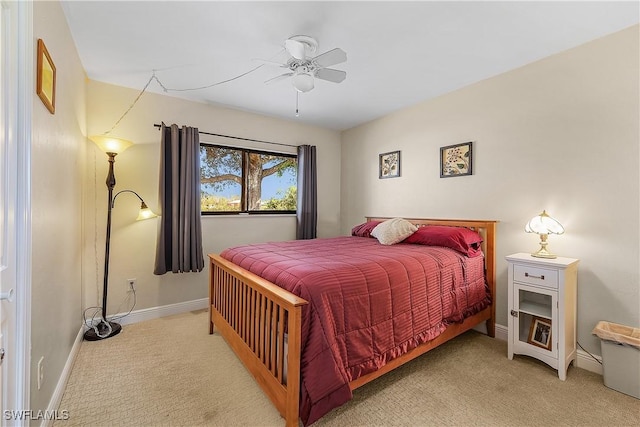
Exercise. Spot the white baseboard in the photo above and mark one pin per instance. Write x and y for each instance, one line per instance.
(162, 311)
(56, 398)
(502, 332)
(585, 361)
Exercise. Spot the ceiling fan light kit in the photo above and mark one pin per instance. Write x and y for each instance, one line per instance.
(303, 82)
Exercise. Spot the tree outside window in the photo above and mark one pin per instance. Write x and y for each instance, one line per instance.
(234, 180)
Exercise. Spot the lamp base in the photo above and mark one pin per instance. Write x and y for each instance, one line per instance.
(543, 253)
(103, 331)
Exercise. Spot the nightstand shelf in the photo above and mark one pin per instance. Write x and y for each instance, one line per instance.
(536, 309)
(542, 307)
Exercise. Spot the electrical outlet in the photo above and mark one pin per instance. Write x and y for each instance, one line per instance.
(40, 372)
(131, 285)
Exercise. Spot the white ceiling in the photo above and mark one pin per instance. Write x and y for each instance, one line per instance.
(399, 53)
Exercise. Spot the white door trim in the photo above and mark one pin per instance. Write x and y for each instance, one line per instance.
(25, 91)
(17, 76)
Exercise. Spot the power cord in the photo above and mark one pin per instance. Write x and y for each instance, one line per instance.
(96, 314)
(133, 291)
(94, 325)
(583, 349)
(96, 317)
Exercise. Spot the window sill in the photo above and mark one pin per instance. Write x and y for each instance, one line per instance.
(246, 215)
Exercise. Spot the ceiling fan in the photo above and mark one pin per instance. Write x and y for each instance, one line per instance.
(304, 67)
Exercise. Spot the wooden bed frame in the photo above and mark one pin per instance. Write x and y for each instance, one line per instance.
(252, 314)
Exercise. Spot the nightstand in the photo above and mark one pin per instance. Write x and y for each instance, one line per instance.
(542, 309)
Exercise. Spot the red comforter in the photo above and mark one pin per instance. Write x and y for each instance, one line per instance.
(368, 304)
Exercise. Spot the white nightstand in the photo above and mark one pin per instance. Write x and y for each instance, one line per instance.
(542, 309)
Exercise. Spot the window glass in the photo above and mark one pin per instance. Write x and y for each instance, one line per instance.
(220, 179)
(277, 179)
(240, 180)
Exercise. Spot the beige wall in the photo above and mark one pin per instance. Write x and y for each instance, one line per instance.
(133, 243)
(58, 159)
(560, 134)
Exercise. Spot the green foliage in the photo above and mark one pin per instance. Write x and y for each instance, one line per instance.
(209, 203)
(286, 203)
(220, 167)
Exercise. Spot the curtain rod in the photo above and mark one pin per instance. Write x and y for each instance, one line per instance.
(237, 137)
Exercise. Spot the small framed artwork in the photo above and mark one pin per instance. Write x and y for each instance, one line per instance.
(389, 165)
(540, 332)
(456, 160)
(46, 78)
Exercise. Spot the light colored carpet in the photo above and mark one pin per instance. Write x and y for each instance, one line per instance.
(171, 372)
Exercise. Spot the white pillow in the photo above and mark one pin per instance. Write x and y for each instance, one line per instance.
(393, 231)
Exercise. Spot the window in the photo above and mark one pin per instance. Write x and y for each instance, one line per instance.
(236, 180)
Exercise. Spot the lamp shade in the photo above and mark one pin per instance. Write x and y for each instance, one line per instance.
(303, 82)
(544, 224)
(145, 212)
(110, 144)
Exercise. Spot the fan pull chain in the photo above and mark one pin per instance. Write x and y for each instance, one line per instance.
(297, 112)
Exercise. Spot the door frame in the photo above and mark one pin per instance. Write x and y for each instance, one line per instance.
(23, 203)
(20, 69)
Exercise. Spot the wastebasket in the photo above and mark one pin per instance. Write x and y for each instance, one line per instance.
(620, 347)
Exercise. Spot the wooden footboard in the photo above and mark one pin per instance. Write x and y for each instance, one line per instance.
(252, 315)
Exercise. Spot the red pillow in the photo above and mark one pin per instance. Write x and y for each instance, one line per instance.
(364, 229)
(461, 239)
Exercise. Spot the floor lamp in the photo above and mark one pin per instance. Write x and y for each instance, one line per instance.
(111, 146)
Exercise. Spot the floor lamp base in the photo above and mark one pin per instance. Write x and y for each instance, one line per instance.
(103, 331)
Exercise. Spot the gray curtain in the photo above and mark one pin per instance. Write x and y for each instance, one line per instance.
(179, 247)
(307, 212)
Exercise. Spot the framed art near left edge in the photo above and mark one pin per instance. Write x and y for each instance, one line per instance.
(46, 78)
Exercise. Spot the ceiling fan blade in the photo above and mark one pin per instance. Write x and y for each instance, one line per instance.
(295, 48)
(332, 57)
(278, 78)
(331, 75)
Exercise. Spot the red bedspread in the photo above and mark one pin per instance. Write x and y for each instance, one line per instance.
(368, 304)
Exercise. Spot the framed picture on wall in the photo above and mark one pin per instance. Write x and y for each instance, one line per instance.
(456, 160)
(46, 78)
(389, 165)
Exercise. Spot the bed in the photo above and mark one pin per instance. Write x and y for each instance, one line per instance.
(299, 343)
